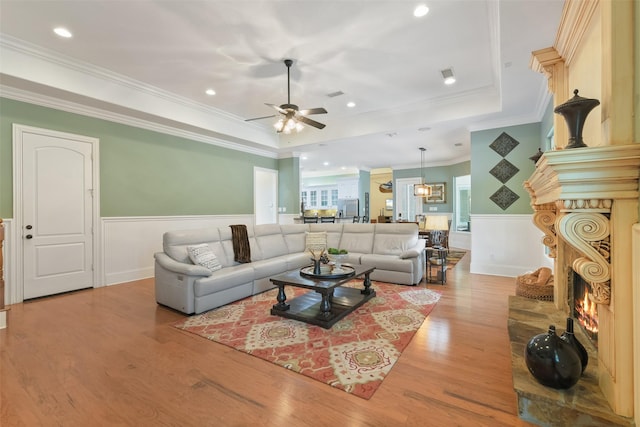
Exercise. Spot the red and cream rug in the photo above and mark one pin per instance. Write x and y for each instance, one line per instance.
(354, 355)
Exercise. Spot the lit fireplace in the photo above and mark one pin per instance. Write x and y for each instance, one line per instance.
(585, 311)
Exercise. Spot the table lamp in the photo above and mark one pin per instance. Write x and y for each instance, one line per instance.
(437, 225)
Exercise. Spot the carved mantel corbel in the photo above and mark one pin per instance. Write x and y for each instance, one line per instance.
(588, 232)
(544, 218)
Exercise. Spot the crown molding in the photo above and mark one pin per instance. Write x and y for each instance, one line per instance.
(75, 108)
(575, 20)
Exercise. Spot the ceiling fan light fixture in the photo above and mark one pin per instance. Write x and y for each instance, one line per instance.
(448, 76)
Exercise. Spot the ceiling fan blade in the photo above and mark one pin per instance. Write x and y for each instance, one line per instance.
(309, 122)
(313, 111)
(260, 118)
(280, 110)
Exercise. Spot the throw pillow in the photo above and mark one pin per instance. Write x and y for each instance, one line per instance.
(204, 256)
(316, 242)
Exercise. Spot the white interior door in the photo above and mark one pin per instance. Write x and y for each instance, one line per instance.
(57, 212)
(406, 203)
(265, 195)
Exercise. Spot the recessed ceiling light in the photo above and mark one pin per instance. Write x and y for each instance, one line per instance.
(448, 76)
(304, 157)
(326, 163)
(420, 11)
(210, 92)
(351, 104)
(62, 32)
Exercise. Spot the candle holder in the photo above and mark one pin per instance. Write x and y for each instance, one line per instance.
(575, 113)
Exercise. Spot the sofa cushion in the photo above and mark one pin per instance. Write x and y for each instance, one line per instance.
(394, 239)
(203, 255)
(387, 262)
(269, 267)
(174, 243)
(223, 279)
(357, 238)
(270, 240)
(295, 236)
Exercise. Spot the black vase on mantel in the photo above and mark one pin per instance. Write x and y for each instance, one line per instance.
(570, 338)
(575, 113)
(553, 361)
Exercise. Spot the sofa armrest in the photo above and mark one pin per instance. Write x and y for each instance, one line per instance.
(411, 253)
(179, 267)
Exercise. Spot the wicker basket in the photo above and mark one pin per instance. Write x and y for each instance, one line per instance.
(534, 290)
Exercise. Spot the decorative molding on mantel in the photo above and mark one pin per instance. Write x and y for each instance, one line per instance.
(572, 192)
(574, 22)
(584, 175)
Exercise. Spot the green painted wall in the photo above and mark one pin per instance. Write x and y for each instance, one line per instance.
(143, 173)
(289, 184)
(438, 174)
(483, 159)
(546, 125)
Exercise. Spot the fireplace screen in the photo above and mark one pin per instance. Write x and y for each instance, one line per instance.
(585, 311)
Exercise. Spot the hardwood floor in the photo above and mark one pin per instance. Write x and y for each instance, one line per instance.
(108, 356)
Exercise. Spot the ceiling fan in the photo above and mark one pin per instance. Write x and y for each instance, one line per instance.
(292, 117)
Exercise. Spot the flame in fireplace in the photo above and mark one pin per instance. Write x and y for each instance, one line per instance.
(587, 313)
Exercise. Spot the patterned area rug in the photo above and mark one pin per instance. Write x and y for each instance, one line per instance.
(453, 257)
(354, 355)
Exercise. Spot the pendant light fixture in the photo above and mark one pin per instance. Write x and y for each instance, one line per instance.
(422, 189)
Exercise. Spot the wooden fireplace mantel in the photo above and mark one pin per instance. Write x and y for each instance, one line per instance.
(585, 200)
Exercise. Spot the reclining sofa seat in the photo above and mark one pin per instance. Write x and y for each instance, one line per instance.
(394, 249)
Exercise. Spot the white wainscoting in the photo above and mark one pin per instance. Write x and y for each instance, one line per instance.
(460, 240)
(506, 245)
(130, 242)
(9, 256)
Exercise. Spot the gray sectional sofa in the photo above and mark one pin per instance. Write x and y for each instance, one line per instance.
(394, 249)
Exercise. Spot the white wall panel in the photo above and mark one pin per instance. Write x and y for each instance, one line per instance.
(506, 245)
(129, 243)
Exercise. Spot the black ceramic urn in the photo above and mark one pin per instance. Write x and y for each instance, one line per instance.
(553, 361)
(569, 337)
(575, 113)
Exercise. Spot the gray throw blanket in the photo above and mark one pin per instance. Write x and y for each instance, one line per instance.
(240, 241)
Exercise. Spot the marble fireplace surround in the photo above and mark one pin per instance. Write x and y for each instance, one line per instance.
(586, 203)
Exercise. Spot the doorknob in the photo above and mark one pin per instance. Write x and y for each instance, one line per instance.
(29, 227)
(28, 236)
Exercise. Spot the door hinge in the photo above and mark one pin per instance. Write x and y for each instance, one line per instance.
(91, 192)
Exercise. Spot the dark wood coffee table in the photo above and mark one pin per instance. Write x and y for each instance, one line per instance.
(328, 300)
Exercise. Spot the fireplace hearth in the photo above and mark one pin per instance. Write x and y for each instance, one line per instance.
(584, 404)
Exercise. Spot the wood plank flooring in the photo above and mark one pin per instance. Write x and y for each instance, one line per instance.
(108, 357)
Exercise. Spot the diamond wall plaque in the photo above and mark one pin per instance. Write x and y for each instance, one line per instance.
(504, 197)
(504, 171)
(503, 144)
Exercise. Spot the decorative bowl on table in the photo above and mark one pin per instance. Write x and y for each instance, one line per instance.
(337, 260)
